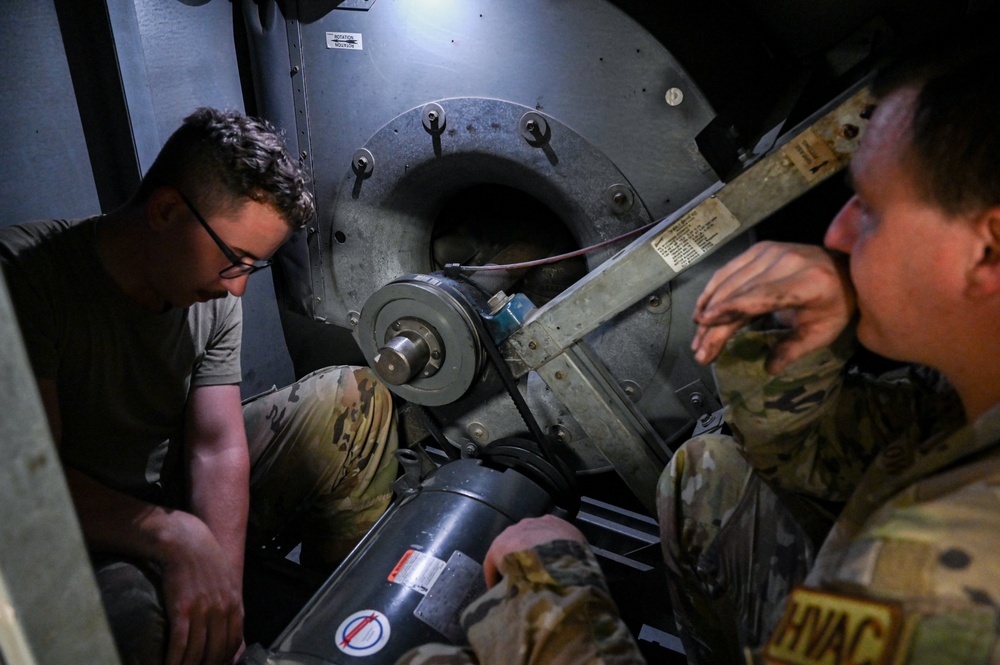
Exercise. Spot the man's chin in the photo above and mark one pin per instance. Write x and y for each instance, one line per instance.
(875, 343)
(205, 296)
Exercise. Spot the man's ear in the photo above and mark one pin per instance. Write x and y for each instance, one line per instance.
(985, 279)
(162, 207)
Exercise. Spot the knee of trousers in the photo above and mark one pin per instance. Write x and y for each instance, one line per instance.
(131, 600)
(697, 491)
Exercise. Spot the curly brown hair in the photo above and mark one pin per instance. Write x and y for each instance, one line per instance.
(220, 157)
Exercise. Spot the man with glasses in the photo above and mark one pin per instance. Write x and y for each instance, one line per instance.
(133, 324)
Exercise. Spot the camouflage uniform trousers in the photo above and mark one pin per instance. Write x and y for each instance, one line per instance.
(321, 450)
(734, 548)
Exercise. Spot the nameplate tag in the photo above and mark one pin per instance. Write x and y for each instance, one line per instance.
(821, 628)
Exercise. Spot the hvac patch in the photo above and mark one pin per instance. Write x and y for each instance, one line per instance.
(822, 628)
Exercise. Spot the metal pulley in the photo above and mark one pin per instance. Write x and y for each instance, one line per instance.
(420, 336)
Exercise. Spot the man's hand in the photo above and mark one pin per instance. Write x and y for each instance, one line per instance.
(805, 286)
(202, 595)
(524, 535)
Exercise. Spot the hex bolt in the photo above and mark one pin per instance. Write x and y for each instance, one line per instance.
(478, 431)
(531, 126)
(471, 449)
(697, 400)
(362, 163)
(432, 116)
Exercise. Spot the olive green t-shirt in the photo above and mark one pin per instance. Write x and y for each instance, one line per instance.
(123, 373)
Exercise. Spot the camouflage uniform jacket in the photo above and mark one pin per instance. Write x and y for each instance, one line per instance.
(910, 573)
(552, 607)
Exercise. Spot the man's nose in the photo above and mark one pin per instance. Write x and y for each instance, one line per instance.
(842, 232)
(236, 285)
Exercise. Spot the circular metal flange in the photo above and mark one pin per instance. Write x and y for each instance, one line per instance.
(448, 316)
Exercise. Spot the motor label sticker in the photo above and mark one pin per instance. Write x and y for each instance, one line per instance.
(417, 571)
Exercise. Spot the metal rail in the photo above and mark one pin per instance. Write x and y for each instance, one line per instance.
(550, 340)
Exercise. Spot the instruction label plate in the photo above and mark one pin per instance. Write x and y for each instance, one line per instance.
(687, 239)
(812, 156)
(344, 40)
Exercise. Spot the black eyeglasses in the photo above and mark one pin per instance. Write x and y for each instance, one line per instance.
(241, 266)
